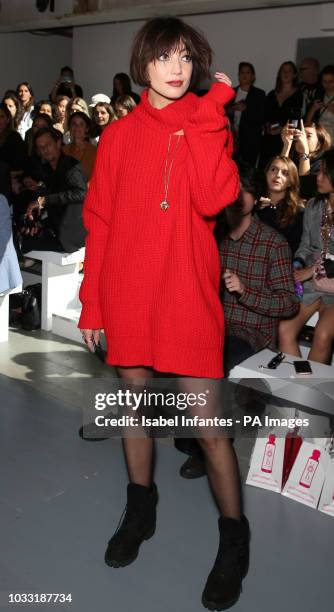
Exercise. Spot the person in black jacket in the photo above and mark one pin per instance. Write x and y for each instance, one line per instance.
(247, 115)
(65, 189)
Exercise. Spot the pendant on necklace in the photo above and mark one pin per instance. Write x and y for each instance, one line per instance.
(164, 205)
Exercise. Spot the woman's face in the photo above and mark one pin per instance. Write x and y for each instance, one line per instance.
(3, 120)
(246, 77)
(78, 129)
(61, 106)
(287, 73)
(101, 116)
(278, 176)
(121, 111)
(312, 138)
(170, 75)
(324, 185)
(46, 109)
(11, 106)
(118, 86)
(24, 95)
(327, 82)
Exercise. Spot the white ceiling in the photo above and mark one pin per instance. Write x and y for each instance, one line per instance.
(129, 10)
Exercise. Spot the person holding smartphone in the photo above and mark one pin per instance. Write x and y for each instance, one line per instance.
(317, 240)
(279, 102)
(152, 269)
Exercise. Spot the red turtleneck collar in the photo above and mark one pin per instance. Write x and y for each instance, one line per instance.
(169, 119)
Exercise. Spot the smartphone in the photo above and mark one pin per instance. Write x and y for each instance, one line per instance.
(295, 118)
(302, 368)
(98, 351)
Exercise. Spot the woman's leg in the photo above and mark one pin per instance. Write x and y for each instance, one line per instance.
(289, 328)
(139, 518)
(321, 349)
(223, 475)
(138, 451)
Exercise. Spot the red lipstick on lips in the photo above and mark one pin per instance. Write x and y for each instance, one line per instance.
(175, 83)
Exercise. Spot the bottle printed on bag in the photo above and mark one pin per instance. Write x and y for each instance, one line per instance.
(310, 469)
(269, 454)
(299, 289)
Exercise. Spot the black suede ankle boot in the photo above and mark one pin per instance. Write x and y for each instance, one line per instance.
(223, 586)
(137, 524)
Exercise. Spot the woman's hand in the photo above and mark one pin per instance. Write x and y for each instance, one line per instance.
(287, 136)
(91, 337)
(33, 206)
(301, 144)
(221, 77)
(304, 274)
(264, 203)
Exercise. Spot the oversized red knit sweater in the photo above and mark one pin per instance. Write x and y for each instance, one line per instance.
(152, 276)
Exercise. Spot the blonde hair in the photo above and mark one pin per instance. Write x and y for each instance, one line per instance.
(292, 202)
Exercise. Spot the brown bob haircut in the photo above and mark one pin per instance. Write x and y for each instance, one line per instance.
(165, 34)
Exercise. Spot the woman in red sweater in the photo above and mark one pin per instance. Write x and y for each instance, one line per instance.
(152, 269)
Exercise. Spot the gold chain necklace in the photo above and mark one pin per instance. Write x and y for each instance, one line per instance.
(164, 205)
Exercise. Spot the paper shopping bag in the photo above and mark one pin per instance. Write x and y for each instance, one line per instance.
(326, 503)
(308, 474)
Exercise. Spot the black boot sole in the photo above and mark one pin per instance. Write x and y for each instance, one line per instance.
(214, 605)
(116, 563)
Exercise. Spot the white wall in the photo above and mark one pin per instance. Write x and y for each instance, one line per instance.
(264, 37)
(36, 59)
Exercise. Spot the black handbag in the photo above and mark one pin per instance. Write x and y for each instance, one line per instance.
(31, 307)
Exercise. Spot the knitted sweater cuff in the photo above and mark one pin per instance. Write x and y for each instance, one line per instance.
(91, 316)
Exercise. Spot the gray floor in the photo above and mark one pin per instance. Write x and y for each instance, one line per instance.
(61, 499)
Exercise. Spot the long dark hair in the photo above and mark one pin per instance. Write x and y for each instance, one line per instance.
(11, 95)
(32, 99)
(279, 84)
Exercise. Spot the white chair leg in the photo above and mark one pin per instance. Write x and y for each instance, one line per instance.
(59, 288)
(4, 318)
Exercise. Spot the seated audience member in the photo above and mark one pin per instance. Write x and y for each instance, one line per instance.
(257, 291)
(122, 87)
(80, 148)
(66, 85)
(77, 105)
(45, 107)
(124, 105)
(40, 120)
(26, 96)
(280, 103)
(65, 190)
(281, 207)
(100, 97)
(12, 148)
(10, 275)
(103, 115)
(14, 106)
(247, 115)
(322, 109)
(307, 146)
(61, 106)
(35, 171)
(316, 244)
(309, 82)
